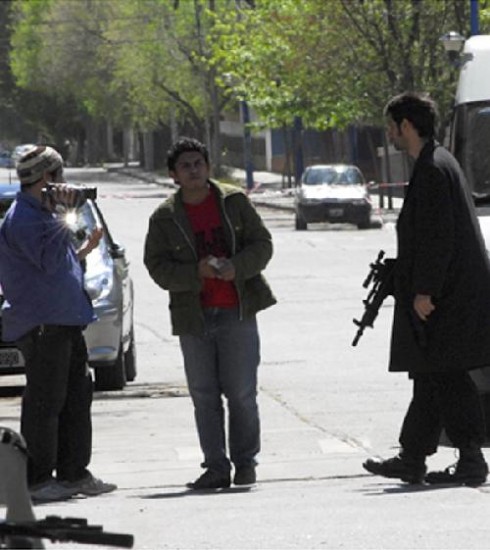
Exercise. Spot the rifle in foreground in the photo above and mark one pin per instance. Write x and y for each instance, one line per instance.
(58, 529)
(381, 277)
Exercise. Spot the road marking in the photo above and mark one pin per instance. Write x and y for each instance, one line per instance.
(189, 453)
(334, 445)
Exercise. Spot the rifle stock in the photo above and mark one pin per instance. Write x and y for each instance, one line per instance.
(380, 276)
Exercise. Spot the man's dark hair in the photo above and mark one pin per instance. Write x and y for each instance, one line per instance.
(418, 109)
(185, 145)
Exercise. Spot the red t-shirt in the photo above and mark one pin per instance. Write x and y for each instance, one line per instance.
(210, 240)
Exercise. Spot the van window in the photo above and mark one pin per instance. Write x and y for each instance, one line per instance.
(471, 144)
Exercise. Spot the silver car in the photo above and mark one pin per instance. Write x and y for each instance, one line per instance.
(335, 193)
(110, 340)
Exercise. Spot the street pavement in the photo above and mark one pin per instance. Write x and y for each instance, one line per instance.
(320, 499)
(312, 490)
(269, 190)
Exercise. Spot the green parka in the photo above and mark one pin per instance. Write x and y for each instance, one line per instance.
(172, 262)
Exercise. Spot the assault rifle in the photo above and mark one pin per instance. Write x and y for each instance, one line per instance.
(381, 277)
(58, 529)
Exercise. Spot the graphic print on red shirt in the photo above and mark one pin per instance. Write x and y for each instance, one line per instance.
(210, 241)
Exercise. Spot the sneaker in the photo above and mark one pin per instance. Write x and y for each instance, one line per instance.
(245, 475)
(470, 471)
(398, 467)
(50, 491)
(211, 479)
(89, 486)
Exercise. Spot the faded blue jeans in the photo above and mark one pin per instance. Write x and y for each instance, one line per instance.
(224, 362)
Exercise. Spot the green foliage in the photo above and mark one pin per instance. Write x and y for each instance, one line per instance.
(147, 62)
(336, 62)
(484, 9)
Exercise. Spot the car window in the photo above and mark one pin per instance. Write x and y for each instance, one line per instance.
(349, 175)
(318, 176)
(82, 223)
(353, 176)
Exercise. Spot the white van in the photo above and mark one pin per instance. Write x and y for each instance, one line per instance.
(470, 144)
(470, 132)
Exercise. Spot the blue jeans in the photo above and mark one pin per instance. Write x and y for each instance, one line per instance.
(224, 361)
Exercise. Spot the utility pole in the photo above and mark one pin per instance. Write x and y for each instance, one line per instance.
(298, 149)
(475, 19)
(247, 146)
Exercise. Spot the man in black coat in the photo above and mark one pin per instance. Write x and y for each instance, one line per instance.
(441, 324)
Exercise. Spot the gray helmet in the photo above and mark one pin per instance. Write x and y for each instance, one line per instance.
(36, 161)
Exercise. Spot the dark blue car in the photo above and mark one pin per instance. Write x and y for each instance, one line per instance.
(6, 160)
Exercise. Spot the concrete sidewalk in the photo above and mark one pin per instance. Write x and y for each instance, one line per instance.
(312, 491)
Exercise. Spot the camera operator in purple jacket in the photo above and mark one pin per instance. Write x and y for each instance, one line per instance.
(45, 311)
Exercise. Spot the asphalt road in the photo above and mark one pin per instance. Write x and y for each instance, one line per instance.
(325, 407)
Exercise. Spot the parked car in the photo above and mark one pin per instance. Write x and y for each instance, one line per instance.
(335, 193)
(110, 340)
(6, 160)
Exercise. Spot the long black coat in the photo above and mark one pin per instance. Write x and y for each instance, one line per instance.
(441, 253)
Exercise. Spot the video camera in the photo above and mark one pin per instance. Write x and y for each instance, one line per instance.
(82, 194)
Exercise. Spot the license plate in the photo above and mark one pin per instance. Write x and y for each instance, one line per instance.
(336, 212)
(11, 357)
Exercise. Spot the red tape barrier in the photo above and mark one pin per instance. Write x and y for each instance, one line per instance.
(385, 185)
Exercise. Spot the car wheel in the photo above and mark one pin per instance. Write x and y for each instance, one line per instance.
(130, 359)
(300, 223)
(376, 223)
(364, 225)
(111, 377)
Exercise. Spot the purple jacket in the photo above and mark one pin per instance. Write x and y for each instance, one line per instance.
(40, 275)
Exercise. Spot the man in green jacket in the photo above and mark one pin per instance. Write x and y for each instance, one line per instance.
(207, 246)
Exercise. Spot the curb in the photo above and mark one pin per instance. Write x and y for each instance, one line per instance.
(385, 216)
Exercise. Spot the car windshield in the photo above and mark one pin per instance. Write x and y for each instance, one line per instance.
(334, 176)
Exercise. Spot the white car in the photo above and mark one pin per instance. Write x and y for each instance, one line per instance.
(335, 193)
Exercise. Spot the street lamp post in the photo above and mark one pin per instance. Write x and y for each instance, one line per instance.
(453, 43)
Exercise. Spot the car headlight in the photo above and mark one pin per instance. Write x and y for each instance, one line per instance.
(99, 284)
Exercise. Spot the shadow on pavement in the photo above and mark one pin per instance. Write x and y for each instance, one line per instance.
(11, 391)
(194, 492)
(381, 490)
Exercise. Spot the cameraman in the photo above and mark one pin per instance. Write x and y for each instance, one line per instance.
(45, 311)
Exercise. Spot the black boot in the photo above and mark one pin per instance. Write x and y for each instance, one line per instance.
(408, 468)
(471, 469)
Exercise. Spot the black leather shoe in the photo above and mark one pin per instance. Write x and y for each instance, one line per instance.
(211, 479)
(398, 467)
(467, 471)
(245, 475)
